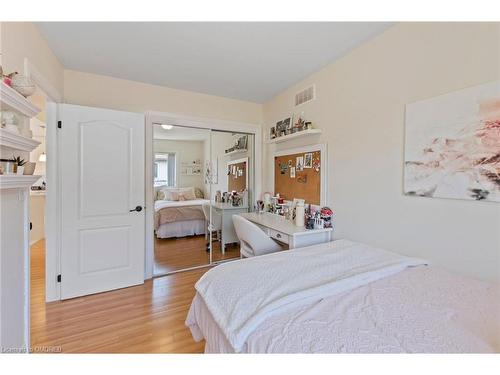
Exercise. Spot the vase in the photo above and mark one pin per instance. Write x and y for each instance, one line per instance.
(23, 85)
(20, 169)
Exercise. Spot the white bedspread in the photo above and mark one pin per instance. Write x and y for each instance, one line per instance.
(159, 204)
(242, 295)
(419, 310)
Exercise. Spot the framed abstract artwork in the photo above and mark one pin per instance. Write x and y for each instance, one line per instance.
(452, 145)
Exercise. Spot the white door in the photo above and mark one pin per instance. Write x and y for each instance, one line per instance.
(102, 183)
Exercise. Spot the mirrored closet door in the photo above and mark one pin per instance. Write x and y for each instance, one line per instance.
(232, 188)
(202, 178)
(181, 198)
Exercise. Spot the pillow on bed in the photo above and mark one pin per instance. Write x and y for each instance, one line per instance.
(198, 193)
(174, 194)
(187, 194)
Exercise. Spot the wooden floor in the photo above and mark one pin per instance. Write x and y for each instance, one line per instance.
(172, 254)
(143, 319)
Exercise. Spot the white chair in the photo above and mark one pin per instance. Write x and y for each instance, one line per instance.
(253, 241)
(215, 225)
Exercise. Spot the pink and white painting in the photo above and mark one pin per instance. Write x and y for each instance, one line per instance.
(452, 147)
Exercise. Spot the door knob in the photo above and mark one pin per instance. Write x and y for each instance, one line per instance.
(137, 209)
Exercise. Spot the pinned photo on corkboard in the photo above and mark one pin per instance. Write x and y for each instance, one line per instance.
(300, 163)
(308, 160)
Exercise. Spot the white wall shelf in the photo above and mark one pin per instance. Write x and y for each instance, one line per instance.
(11, 100)
(14, 181)
(16, 141)
(234, 152)
(288, 137)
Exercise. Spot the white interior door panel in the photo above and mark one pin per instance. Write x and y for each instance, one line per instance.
(102, 165)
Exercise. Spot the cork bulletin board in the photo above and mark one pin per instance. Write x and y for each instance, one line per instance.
(298, 175)
(237, 175)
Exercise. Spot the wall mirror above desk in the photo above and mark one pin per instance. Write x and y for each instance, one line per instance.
(301, 173)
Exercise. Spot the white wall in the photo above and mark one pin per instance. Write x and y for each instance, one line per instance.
(360, 107)
(186, 152)
(107, 92)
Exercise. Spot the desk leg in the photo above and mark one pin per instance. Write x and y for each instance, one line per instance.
(223, 233)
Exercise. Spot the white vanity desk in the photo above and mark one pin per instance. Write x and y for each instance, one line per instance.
(284, 231)
(226, 211)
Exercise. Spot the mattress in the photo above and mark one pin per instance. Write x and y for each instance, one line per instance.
(424, 309)
(181, 229)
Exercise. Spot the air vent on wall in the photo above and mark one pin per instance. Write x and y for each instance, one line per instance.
(305, 95)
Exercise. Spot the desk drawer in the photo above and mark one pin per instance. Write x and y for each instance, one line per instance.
(280, 236)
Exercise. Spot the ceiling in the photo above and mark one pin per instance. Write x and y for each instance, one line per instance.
(180, 133)
(250, 61)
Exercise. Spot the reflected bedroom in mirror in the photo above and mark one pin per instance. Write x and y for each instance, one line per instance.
(202, 178)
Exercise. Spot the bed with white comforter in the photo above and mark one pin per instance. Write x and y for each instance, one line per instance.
(179, 218)
(343, 297)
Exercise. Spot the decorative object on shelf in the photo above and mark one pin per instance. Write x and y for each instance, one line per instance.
(29, 168)
(287, 127)
(283, 127)
(240, 144)
(452, 145)
(272, 132)
(279, 129)
(18, 165)
(23, 85)
(9, 123)
(300, 123)
(43, 157)
(9, 166)
(7, 78)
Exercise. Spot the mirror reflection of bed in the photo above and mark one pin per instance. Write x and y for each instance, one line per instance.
(182, 227)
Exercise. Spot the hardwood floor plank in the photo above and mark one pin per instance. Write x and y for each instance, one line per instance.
(147, 318)
(173, 254)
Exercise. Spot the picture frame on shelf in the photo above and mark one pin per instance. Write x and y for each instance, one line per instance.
(272, 132)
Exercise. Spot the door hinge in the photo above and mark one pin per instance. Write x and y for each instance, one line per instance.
(59, 124)
(59, 278)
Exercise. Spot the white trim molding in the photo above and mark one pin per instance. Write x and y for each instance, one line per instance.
(15, 181)
(12, 100)
(52, 205)
(31, 71)
(17, 141)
